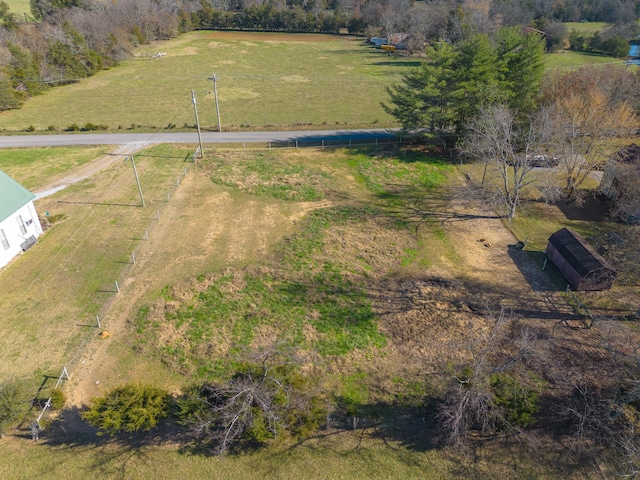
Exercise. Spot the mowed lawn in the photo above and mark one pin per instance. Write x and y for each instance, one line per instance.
(268, 79)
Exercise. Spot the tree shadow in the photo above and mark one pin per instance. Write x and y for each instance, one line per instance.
(592, 210)
(69, 430)
(101, 203)
(396, 63)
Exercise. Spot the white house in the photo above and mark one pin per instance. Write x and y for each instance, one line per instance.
(19, 224)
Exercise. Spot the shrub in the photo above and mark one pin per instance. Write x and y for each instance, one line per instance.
(74, 127)
(31, 128)
(129, 408)
(52, 128)
(14, 403)
(58, 399)
(520, 403)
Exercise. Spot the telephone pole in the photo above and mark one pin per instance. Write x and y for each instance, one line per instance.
(214, 79)
(195, 110)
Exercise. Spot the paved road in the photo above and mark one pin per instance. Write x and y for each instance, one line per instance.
(311, 136)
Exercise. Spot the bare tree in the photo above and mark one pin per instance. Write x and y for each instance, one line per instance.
(259, 402)
(471, 402)
(579, 123)
(506, 149)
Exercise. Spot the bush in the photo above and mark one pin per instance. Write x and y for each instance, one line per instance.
(14, 403)
(519, 402)
(129, 408)
(52, 128)
(31, 128)
(74, 127)
(58, 399)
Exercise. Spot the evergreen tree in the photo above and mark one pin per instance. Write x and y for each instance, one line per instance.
(443, 94)
(521, 67)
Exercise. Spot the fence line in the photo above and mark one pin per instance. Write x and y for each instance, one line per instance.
(147, 232)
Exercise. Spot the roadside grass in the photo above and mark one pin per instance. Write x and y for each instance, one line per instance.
(35, 167)
(265, 79)
(269, 174)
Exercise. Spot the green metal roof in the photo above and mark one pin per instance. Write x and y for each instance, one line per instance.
(12, 196)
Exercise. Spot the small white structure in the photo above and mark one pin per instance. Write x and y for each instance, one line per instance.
(19, 224)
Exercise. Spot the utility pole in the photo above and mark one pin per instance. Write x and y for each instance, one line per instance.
(135, 172)
(214, 79)
(195, 110)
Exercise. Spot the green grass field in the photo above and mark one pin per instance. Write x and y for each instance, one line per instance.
(585, 27)
(19, 7)
(36, 167)
(568, 59)
(265, 79)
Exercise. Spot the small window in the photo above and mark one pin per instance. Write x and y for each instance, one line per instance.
(21, 225)
(3, 240)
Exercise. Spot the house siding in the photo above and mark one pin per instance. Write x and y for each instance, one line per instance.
(15, 237)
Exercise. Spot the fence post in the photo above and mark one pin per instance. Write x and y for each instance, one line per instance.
(117, 287)
(98, 321)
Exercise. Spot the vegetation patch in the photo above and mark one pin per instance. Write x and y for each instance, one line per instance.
(302, 297)
(398, 173)
(269, 174)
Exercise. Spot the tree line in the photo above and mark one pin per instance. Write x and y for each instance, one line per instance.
(71, 39)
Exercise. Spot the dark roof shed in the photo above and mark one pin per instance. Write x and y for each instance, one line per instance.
(581, 265)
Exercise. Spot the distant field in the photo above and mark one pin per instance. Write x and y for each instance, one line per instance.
(264, 79)
(19, 7)
(571, 59)
(585, 27)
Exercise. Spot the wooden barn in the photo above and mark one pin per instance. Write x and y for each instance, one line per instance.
(581, 265)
